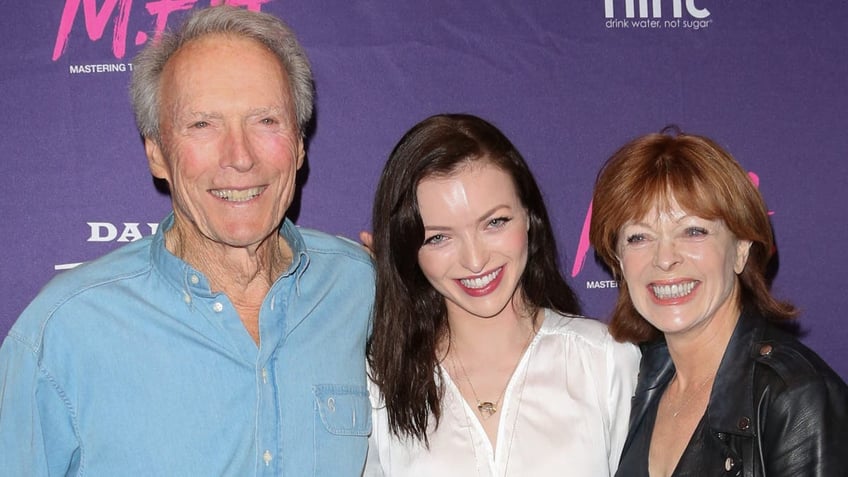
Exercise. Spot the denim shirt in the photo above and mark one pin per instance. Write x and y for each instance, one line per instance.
(130, 365)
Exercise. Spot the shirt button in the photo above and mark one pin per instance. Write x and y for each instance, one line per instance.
(766, 350)
(331, 404)
(186, 298)
(729, 464)
(194, 280)
(218, 307)
(744, 424)
(267, 457)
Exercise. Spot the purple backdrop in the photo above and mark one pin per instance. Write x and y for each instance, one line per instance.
(569, 82)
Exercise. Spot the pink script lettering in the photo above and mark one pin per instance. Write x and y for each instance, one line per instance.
(96, 19)
(583, 242)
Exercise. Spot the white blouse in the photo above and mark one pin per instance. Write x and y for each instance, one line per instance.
(565, 412)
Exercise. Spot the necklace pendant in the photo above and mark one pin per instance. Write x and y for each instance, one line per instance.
(486, 408)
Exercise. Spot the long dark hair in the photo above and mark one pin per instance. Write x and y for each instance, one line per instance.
(410, 316)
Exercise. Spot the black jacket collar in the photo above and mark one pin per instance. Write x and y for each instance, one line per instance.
(731, 408)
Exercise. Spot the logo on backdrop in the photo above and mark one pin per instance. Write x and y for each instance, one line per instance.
(656, 14)
(78, 14)
(107, 232)
(583, 246)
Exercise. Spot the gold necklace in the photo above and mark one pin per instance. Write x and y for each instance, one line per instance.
(488, 408)
(695, 392)
(516, 414)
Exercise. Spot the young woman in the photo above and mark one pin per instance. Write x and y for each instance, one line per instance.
(480, 364)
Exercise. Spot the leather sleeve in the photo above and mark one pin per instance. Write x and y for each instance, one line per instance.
(804, 426)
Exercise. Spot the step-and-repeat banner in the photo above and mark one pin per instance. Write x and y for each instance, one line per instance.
(567, 81)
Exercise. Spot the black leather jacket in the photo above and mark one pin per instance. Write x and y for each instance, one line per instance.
(776, 409)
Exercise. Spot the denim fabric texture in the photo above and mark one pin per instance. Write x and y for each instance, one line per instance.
(130, 365)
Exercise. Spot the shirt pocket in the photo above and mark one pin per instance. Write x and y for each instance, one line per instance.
(342, 426)
(344, 410)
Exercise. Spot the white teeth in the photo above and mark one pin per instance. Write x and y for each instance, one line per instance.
(673, 291)
(481, 281)
(237, 195)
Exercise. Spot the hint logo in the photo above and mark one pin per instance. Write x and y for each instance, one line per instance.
(650, 15)
(654, 8)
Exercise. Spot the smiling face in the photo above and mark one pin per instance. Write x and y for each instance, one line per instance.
(475, 243)
(230, 148)
(681, 270)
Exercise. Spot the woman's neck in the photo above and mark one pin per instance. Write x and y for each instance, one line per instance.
(490, 337)
(698, 353)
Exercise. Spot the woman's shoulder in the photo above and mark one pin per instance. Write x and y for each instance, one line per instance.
(587, 343)
(785, 359)
(589, 331)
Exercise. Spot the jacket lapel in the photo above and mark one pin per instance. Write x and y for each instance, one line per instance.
(655, 370)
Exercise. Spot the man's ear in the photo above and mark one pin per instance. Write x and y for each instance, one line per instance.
(156, 159)
(300, 150)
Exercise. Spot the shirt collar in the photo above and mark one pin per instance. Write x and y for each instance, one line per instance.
(193, 283)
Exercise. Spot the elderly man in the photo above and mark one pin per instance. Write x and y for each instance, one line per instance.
(227, 343)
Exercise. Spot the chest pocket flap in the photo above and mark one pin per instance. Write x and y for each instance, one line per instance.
(344, 409)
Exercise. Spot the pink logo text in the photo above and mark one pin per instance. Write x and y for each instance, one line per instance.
(583, 245)
(96, 20)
